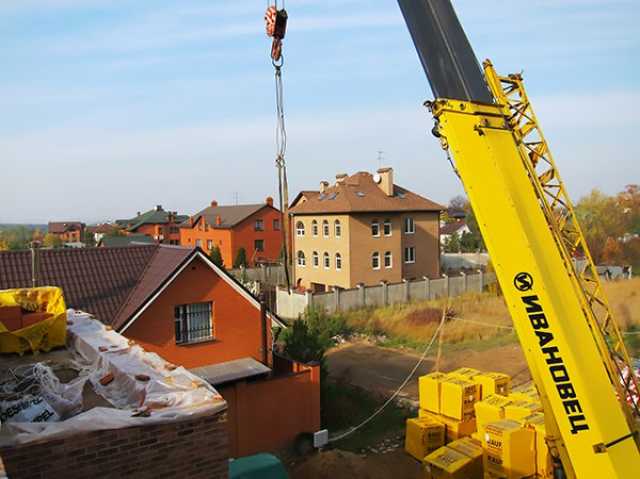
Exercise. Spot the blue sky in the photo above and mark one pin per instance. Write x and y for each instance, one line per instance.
(111, 107)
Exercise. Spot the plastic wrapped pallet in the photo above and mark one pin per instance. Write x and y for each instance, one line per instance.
(422, 436)
(491, 408)
(493, 383)
(458, 397)
(453, 428)
(429, 391)
(467, 374)
(509, 450)
(544, 465)
(447, 463)
(520, 409)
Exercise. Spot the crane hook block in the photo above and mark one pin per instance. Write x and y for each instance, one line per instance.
(276, 22)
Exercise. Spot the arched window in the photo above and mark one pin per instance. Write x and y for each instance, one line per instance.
(375, 228)
(388, 260)
(325, 228)
(337, 228)
(302, 261)
(338, 261)
(375, 260)
(386, 227)
(326, 260)
(299, 228)
(314, 228)
(315, 259)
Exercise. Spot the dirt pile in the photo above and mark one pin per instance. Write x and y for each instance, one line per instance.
(337, 464)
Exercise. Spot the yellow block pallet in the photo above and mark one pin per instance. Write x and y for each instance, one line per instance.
(422, 436)
(457, 398)
(491, 408)
(429, 391)
(520, 409)
(509, 450)
(453, 428)
(493, 383)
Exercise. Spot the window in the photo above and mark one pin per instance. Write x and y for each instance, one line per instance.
(337, 228)
(259, 225)
(409, 226)
(375, 228)
(325, 228)
(388, 260)
(299, 228)
(198, 243)
(316, 259)
(193, 322)
(410, 255)
(314, 228)
(209, 245)
(258, 245)
(338, 261)
(326, 260)
(387, 227)
(302, 261)
(375, 260)
(276, 224)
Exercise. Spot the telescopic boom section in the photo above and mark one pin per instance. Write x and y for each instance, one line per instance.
(560, 314)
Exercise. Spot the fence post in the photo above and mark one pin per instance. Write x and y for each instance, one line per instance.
(263, 273)
(406, 290)
(336, 299)
(427, 288)
(385, 293)
(446, 285)
(464, 281)
(363, 299)
(308, 299)
(481, 280)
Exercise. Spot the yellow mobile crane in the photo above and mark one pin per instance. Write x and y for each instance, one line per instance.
(571, 342)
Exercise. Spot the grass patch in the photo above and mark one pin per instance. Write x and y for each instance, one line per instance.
(345, 406)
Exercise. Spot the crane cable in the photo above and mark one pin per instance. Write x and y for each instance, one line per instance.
(276, 25)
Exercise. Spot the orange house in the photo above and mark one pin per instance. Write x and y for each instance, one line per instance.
(175, 302)
(256, 228)
(68, 232)
(157, 223)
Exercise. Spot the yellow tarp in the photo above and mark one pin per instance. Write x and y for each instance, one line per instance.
(40, 336)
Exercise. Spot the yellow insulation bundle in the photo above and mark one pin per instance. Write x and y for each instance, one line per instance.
(32, 319)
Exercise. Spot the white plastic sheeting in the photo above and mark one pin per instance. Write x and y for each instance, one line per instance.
(145, 389)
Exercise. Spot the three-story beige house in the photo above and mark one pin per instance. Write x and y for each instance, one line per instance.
(363, 229)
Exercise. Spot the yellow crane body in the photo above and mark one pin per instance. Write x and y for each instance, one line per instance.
(548, 317)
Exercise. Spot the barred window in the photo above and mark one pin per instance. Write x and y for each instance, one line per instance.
(193, 322)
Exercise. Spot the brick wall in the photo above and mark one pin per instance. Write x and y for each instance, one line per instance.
(194, 448)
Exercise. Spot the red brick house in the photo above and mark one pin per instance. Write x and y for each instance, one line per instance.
(67, 231)
(176, 302)
(157, 223)
(256, 228)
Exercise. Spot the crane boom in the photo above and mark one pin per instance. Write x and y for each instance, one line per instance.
(571, 343)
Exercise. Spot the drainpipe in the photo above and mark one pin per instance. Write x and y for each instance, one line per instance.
(263, 324)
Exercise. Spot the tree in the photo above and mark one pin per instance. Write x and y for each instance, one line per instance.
(471, 243)
(241, 258)
(52, 241)
(629, 202)
(302, 344)
(216, 256)
(600, 217)
(88, 239)
(452, 244)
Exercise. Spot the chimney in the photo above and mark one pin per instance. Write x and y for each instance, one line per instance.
(386, 180)
(323, 186)
(269, 201)
(340, 177)
(214, 203)
(218, 220)
(158, 207)
(138, 213)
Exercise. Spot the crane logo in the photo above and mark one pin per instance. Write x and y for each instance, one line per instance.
(523, 281)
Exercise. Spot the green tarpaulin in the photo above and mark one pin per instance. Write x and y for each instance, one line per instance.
(259, 466)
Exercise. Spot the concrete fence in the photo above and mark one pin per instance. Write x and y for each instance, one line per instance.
(269, 275)
(292, 305)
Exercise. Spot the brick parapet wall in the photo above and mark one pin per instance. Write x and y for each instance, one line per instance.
(193, 448)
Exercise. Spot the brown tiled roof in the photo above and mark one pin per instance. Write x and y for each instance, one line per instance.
(102, 281)
(451, 228)
(230, 215)
(64, 226)
(358, 193)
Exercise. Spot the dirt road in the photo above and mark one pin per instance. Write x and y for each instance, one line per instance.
(382, 370)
